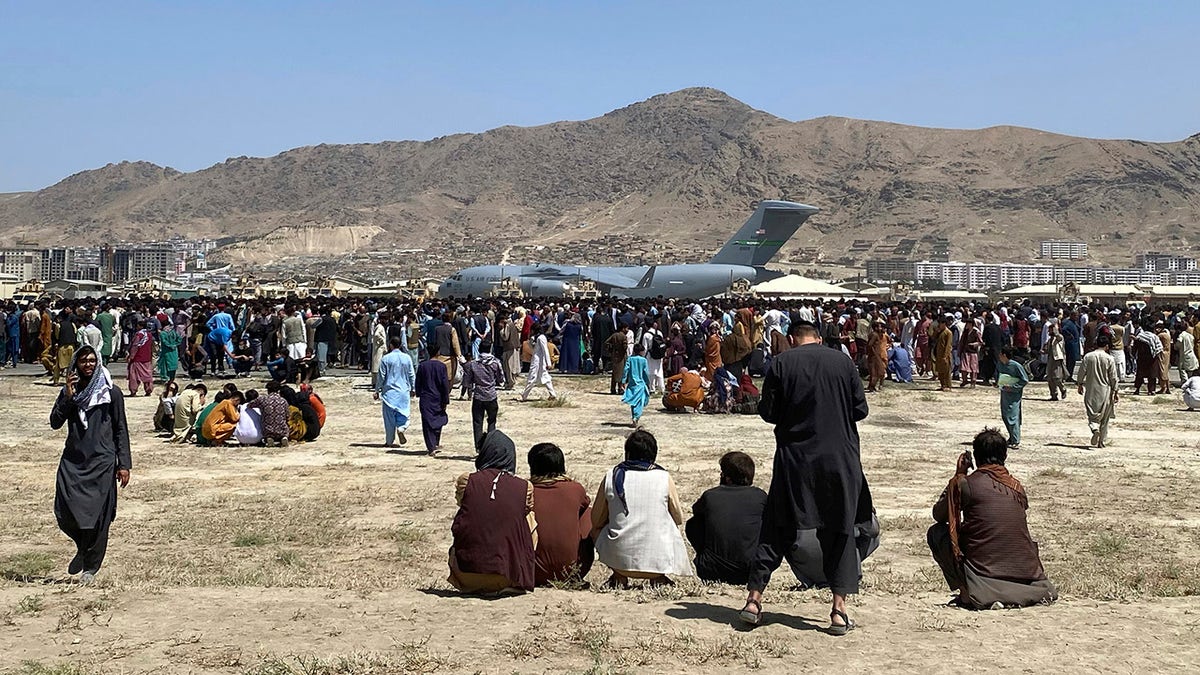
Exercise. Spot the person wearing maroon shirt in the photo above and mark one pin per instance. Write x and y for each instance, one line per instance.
(981, 538)
(565, 550)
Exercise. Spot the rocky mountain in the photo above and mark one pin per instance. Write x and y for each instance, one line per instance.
(679, 168)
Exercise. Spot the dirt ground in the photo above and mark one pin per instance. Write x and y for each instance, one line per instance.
(330, 557)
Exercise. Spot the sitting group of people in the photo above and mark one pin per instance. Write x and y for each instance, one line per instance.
(282, 416)
(723, 393)
(511, 535)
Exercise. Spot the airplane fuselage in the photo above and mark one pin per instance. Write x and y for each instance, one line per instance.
(691, 280)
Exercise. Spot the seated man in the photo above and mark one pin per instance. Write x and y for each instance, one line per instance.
(243, 358)
(274, 410)
(564, 550)
(305, 367)
(277, 366)
(726, 521)
(249, 429)
(222, 421)
(1191, 391)
(685, 390)
(981, 539)
(187, 408)
(899, 364)
(636, 518)
(164, 416)
(747, 396)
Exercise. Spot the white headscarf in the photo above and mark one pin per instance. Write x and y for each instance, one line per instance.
(98, 390)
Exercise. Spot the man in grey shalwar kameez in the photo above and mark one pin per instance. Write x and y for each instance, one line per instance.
(1098, 384)
(95, 459)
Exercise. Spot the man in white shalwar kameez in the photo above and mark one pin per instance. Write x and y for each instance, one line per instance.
(539, 364)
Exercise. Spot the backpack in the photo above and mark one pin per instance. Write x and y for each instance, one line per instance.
(658, 346)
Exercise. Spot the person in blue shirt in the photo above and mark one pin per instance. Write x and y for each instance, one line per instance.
(395, 385)
(12, 334)
(900, 363)
(220, 330)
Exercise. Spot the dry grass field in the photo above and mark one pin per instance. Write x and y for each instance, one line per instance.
(329, 557)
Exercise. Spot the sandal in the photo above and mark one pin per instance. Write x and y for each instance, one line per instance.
(837, 630)
(752, 618)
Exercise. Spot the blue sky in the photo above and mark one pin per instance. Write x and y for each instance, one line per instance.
(188, 84)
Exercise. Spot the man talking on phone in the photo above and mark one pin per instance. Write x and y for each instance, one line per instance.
(95, 459)
(981, 539)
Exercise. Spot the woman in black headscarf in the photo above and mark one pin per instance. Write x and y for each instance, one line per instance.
(94, 460)
(494, 530)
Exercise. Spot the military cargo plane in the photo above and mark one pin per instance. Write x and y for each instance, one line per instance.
(742, 258)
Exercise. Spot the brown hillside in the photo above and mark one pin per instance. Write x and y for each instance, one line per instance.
(679, 168)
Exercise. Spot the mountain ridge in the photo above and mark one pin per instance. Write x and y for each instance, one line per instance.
(678, 168)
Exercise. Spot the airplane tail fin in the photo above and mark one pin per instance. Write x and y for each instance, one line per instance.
(773, 223)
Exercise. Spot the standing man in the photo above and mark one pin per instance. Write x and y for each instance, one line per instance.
(445, 346)
(539, 364)
(1164, 359)
(295, 340)
(12, 333)
(1098, 379)
(815, 399)
(95, 460)
(395, 385)
(220, 332)
(1071, 334)
(1011, 378)
(65, 340)
(1056, 361)
(107, 322)
(325, 335)
(1117, 348)
(943, 344)
(616, 353)
(510, 355)
(1186, 344)
(481, 378)
(433, 390)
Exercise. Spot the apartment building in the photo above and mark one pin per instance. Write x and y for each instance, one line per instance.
(1064, 249)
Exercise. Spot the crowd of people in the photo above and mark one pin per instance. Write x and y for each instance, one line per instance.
(511, 534)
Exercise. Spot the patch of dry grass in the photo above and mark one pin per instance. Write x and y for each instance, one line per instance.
(27, 566)
(406, 657)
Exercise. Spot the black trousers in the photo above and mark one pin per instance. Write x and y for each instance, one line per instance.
(478, 410)
(90, 544)
(839, 555)
(433, 437)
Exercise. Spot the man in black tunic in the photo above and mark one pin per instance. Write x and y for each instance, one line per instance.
(814, 397)
(94, 460)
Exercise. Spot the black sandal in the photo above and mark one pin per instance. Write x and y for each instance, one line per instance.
(752, 618)
(837, 630)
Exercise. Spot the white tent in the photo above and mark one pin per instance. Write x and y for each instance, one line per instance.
(796, 286)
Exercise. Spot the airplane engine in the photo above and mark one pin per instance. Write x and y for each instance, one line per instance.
(549, 288)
